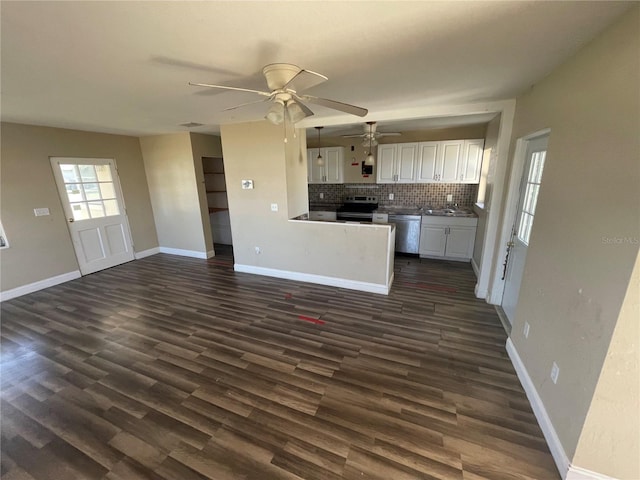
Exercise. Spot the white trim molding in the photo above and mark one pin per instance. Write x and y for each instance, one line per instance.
(186, 253)
(313, 278)
(39, 285)
(146, 253)
(578, 473)
(566, 469)
(550, 435)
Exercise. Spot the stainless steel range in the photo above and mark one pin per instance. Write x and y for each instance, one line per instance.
(357, 208)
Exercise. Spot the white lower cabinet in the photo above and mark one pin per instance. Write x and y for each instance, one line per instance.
(448, 237)
(322, 215)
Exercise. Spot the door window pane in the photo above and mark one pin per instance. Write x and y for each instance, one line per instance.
(70, 173)
(87, 173)
(80, 211)
(74, 192)
(107, 190)
(96, 209)
(91, 191)
(530, 201)
(111, 207)
(104, 173)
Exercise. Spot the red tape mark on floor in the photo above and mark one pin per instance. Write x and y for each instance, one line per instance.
(288, 295)
(312, 320)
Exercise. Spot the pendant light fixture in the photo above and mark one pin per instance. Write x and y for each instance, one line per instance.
(370, 160)
(319, 159)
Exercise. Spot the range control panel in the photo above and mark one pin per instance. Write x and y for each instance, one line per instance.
(361, 199)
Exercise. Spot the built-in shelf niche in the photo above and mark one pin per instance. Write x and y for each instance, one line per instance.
(216, 189)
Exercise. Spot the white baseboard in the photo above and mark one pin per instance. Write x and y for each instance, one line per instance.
(475, 267)
(39, 285)
(567, 471)
(146, 253)
(577, 473)
(185, 253)
(312, 278)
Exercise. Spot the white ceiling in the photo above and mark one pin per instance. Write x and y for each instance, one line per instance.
(123, 67)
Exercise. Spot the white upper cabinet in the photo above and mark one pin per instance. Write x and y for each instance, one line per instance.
(333, 169)
(397, 163)
(471, 161)
(427, 162)
(453, 161)
(449, 161)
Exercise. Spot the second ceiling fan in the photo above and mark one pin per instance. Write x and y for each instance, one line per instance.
(370, 135)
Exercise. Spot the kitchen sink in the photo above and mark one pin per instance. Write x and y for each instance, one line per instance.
(449, 212)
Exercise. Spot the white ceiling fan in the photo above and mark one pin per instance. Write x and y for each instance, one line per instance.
(285, 81)
(370, 135)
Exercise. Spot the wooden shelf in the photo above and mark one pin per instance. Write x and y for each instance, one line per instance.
(216, 209)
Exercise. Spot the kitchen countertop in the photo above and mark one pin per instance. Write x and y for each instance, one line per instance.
(426, 211)
(324, 207)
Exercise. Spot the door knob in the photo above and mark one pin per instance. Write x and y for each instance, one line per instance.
(510, 244)
(71, 220)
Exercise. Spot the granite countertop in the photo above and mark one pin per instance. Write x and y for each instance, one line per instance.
(324, 206)
(426, 211)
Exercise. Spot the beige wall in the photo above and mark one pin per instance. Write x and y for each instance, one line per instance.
(486, 185)
(350, 252)
(204, 146)
(296, 170)
(174, 189)
(599, 448)
(41, 246)
(576, 273)
(353, 173)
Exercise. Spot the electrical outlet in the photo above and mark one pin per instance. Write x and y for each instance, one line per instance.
(274, 207)
(391, 196)
(258, 251)
(449, 198)
(555, 371)
(527, 327)
(321, 195)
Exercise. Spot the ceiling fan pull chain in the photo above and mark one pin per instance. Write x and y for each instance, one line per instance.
(284, 123)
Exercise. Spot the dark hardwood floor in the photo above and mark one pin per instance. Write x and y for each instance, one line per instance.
(178, 368)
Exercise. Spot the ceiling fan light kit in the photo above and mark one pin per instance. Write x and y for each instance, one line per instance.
(285, 81)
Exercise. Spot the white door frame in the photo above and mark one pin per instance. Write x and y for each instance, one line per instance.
(510, 210)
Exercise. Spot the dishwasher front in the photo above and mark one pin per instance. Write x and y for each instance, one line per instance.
(407, 232)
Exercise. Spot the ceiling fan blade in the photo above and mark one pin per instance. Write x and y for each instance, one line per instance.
(390, 134)
(224, 87)
(245, 104)
(343, 107)
(304, 79)
(307, 111)
(359, 135)
(177, 62)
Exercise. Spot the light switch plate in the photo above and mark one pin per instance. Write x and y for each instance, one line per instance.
(449, 198)
(274, 207)
(391, 196)
(40, 212)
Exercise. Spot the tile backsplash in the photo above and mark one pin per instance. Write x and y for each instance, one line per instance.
(412, 194)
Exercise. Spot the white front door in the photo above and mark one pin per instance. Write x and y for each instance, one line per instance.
(521, 231)
(94, 208)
